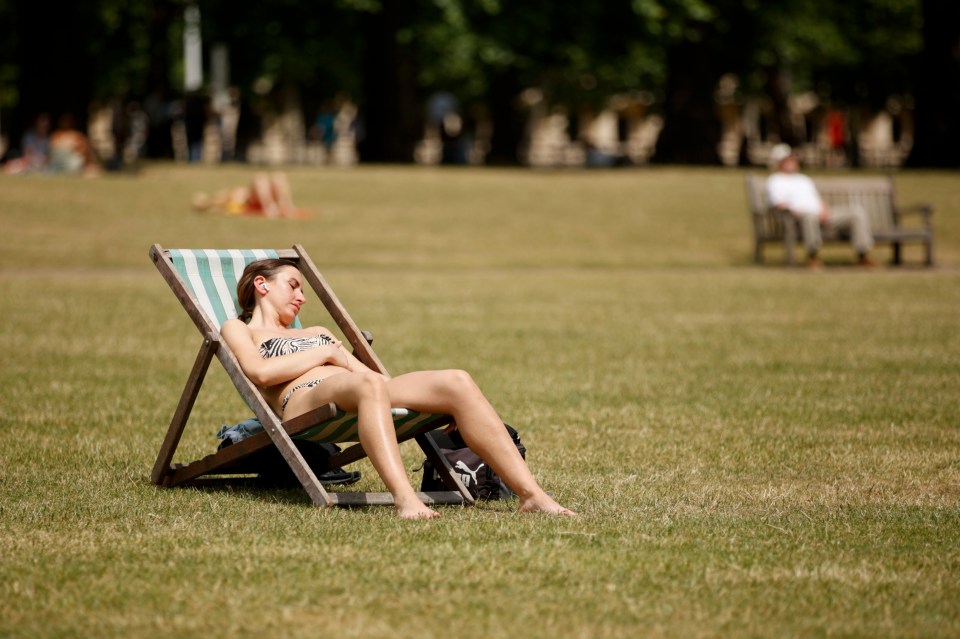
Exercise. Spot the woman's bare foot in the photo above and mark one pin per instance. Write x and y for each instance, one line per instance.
(543, 503)
(415, 509)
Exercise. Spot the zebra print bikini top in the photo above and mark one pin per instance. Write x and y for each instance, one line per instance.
(287, 345)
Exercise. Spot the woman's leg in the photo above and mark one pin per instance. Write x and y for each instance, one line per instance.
(261, 195)
(282, 194)
(455, 393)
(366, 394)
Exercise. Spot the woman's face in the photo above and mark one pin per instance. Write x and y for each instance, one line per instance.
(285, 291)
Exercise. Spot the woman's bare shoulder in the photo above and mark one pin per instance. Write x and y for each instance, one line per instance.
(235, 328)
(234, 324)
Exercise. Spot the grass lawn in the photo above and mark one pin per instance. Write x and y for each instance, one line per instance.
(755, 450)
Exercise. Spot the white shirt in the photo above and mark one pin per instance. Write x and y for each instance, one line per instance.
(795, 192)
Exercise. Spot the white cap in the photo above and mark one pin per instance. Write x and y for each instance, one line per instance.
(779, 153)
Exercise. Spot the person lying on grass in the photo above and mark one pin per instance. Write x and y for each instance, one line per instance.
(299, 370)
(267, 195)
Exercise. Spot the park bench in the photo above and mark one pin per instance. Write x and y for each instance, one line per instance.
(875, 193)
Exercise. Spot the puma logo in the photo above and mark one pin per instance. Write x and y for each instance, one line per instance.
(471, 473)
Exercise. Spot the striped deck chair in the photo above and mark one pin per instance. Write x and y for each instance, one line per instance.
(205, 282)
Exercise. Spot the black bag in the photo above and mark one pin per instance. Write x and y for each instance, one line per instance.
(477, 477)
(274, 471)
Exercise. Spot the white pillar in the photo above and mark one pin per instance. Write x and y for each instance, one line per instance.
(192, 49)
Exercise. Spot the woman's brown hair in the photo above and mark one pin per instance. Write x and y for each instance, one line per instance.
(246, 295)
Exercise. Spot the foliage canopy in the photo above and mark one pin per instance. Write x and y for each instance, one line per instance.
(484, 52)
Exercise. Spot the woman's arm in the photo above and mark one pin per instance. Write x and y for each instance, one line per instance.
(275, 370)
(353, 365)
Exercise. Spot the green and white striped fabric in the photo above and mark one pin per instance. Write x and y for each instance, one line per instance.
(340, 428)
(213, 275)
(343, 427)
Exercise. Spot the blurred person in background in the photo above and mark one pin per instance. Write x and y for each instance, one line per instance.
(70, 149)
(267, 195)
(792, 191)
(35, 149)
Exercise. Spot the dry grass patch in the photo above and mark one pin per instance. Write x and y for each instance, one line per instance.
(755, 451)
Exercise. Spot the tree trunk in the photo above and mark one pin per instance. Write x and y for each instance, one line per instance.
(391, 117)
(508, 120)
(159, 89)
(778, 92)
(691, 130)
(937, 141)
(56, 72)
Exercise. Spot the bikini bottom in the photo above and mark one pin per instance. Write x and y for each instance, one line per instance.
(286, 398)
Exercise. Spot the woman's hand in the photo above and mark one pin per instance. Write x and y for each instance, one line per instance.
(335, 355)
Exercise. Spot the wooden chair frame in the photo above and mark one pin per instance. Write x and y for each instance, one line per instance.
(241, 457)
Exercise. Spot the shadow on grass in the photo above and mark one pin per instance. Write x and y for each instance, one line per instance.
(252, 488)
(249, 487)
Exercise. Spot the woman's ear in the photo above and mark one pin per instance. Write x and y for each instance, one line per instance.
(260, 284)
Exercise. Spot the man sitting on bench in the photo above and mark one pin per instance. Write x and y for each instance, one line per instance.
(795, 192)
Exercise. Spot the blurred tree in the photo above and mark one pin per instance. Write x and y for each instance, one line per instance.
(313, 46)
(852, 55)
(576, 54)
(130, 40)
(64, 56)
(363, 48)
(937, 140)
(392, 121)
(701, 44)
(855, 54)
(390, 56)
(51, 52)
(9, 71)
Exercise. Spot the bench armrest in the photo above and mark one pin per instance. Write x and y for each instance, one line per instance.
(923, 209)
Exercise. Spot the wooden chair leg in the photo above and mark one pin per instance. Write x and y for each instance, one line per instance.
(180, 416)
(444, 469)
(291, 454)
(430, 449)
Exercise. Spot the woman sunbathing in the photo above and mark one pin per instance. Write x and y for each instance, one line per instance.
(299, 370)
(267, 195)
